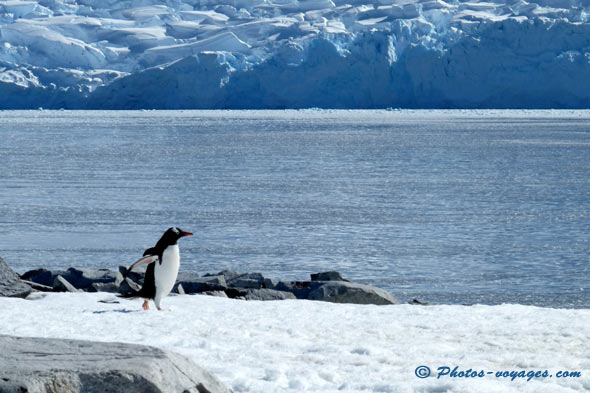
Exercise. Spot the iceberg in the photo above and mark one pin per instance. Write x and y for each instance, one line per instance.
(273, 54)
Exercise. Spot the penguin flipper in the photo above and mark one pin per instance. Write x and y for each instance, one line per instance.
(143, 261)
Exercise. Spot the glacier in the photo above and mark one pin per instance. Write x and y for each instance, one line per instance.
(276, 54)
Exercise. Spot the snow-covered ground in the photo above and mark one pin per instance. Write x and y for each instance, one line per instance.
(294, 53)
(304, 346)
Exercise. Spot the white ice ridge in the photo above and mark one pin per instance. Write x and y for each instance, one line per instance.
(294, 54)
(305, 346)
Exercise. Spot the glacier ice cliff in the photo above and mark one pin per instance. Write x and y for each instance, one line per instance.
(294, 54)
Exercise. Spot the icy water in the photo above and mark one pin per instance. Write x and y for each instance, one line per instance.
(443, 206)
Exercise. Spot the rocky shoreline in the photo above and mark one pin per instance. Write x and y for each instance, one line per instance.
(39, 365)
(325, 286)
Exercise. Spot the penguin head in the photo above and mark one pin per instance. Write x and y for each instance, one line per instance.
(172, 235)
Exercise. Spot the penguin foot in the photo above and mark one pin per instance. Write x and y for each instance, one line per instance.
(146, 305)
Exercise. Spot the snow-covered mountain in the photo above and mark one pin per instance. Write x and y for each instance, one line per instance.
(294, 54)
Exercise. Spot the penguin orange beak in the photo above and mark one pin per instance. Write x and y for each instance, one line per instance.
(186, 234)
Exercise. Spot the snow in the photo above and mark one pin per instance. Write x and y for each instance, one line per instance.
(294, 346)
(467, 54)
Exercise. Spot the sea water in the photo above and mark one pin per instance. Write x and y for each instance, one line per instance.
(445, 206)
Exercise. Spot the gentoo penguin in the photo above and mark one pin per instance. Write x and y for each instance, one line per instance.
(163, 262)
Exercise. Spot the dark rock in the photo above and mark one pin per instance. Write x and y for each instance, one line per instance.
(268, 283)
(214, 293)
(38, 287)
(78, 278)
(246, 280)
(128, 286)
(135, 276)
(301, 289)
(10, 283)
(104, 287)
(347, 292)
(62, 285)
(235, 293)
(41, 276)
(416, 302)
(205, 283)
(39, 365)
(267, 294)
(84, 278)
(244, 283)
(227, 274)
(187, 276)
(327, 276)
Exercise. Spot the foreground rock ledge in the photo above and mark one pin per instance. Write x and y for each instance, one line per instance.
(39, 365)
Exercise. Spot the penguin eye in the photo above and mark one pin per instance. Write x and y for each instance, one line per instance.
(175, 230)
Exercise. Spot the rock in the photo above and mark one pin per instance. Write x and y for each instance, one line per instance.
(41, 276)
(111, 287)
(84, 278)
(135, 276)
(180, 289)
(347, 292)
(267, 294)
(327, 276)
(128, 286)
(205, 283)
(416, 302)
(62, 285)
(247, 280)
(235, 293)
(78, 278)
(268, 283)
(301, 289)
(37, 365)
(38, 287)
(214, 293)
(227, 274)
(187, 276)
(10, 283)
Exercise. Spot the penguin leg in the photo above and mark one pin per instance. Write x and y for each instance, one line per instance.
(146, 305)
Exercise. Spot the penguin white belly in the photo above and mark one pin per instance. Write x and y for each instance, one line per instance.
(165, 273)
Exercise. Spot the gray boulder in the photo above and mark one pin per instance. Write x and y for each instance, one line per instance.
(10, 283)
(124, 273)
(301, 289)
(227, 274)
(38, 287)
(203, 284)
(214, 293)
(79, 278)
(62, 285)
(327, 276)
(104, 287)
(128, 286)
(42, 276)
(37, 365)
(347, 292)
(247, 280)
(267, 294)
(84, 278)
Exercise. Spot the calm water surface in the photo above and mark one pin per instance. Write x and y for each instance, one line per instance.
(443, 206)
